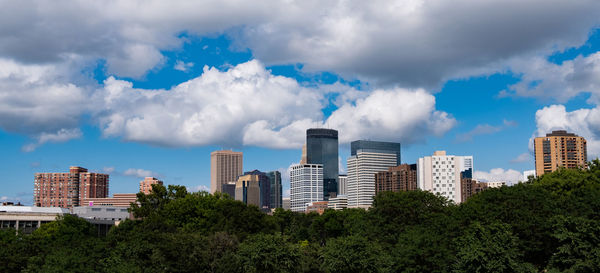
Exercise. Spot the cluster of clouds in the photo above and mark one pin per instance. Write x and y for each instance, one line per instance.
(509, 176)
(404, 49)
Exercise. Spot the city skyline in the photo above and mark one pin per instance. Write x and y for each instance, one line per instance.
(152, 90)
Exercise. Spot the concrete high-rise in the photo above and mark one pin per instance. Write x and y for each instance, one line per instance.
(306, 185)
(441, 174)
(225, 166)
(146, 184)
(342, 184)
(366, 159)
(276, 189)
(399, 178)
(322, 148)
(559, 149)
(67, 190)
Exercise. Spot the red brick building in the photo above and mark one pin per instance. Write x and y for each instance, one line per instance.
(67, 190)
(399, 178)
(146, 184)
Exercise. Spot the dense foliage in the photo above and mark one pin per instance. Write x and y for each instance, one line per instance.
(548, 224)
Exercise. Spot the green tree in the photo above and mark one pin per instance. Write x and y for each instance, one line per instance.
(579, 245)
(354, 254)
(269, 253)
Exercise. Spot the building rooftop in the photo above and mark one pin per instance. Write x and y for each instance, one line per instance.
(31, 209)
(560, 133)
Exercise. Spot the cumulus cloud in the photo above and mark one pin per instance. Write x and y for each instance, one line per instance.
(584, 122)
(198, 188)
(524, 157)
(247, 105)
(561, 82)
(509, 176)
(63, 135)
(414, 43)
(484, 129)
(183, 66)
(140, 173)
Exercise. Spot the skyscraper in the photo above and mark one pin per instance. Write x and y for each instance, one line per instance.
(67, 190)
(559, 149)
(366, 159)
(322, 148)
(342, 184)
(225, 166)
(264, 184)
(276, 189)
(146, 184)
(306, 185)
(247, 189)
(441, 174)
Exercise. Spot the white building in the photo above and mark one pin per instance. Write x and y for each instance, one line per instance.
(495, 184)
(342, 184)
(362, 168)
(440, 174)
(306, 185)
(527, 174)
(338, 203)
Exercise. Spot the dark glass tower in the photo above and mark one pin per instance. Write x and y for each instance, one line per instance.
(322, 148)
(376, 146)
(275, 179)
(265, 189)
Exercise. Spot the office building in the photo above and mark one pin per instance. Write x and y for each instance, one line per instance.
(247, 189)
(285, 203)
(276, 189)
(264, 184)
(366, 159)
(470, 187)
(306, 185)
(527, 174)
(559, 149)
(399, 178)
(338, 203)
(103, 217)
(26, 219)
(441, 174)
(225, 166)
(146, 184)
(229, 189)
(318, 207)
(342, 184)
(67, 190)
(322, 148)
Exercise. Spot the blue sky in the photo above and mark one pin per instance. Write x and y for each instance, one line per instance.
(153, 92)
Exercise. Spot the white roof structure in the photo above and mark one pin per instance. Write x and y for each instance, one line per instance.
(30, 209)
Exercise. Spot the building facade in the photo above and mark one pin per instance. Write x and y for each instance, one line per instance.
(67, 190)
(264, 183)
(559, 149)
(441, 174)
(338, 203)
(26, 219)
(306, 185)
(322, 148)
(276, 189)
(286, 203)
(318, 207)
(247, 189)
(366, 159)
(146, 184)
(225, 166)
(399, 178)
(118, 200)
(342, 184)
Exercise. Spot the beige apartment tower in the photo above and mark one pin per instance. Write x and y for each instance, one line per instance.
(225, 166)
(146, 184)
(559, 149)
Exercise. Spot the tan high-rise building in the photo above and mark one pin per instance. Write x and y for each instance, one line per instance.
(67, 190)
(146, 184)
(225, 166)
(559, 149)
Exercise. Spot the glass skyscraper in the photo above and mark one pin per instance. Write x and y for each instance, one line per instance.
(377, 147)
(322, 148)
(276, 191)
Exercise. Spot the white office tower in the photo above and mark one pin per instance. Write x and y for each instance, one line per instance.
(342, 184)
(362, 168)
(440, 173)
(306, 185)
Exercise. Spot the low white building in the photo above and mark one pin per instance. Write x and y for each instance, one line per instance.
(338, 203)
(26, 219)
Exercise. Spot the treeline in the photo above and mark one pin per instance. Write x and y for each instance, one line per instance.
(549, 224)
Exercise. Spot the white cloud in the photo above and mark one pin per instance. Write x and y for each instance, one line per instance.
(63, 135)
(524, 157)
(484, 129)
(415, 43)
(543, 79)
(108, 170)
(141, 173)
(198, 188)
(583, 122)
(509, 176)
(183, 66)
